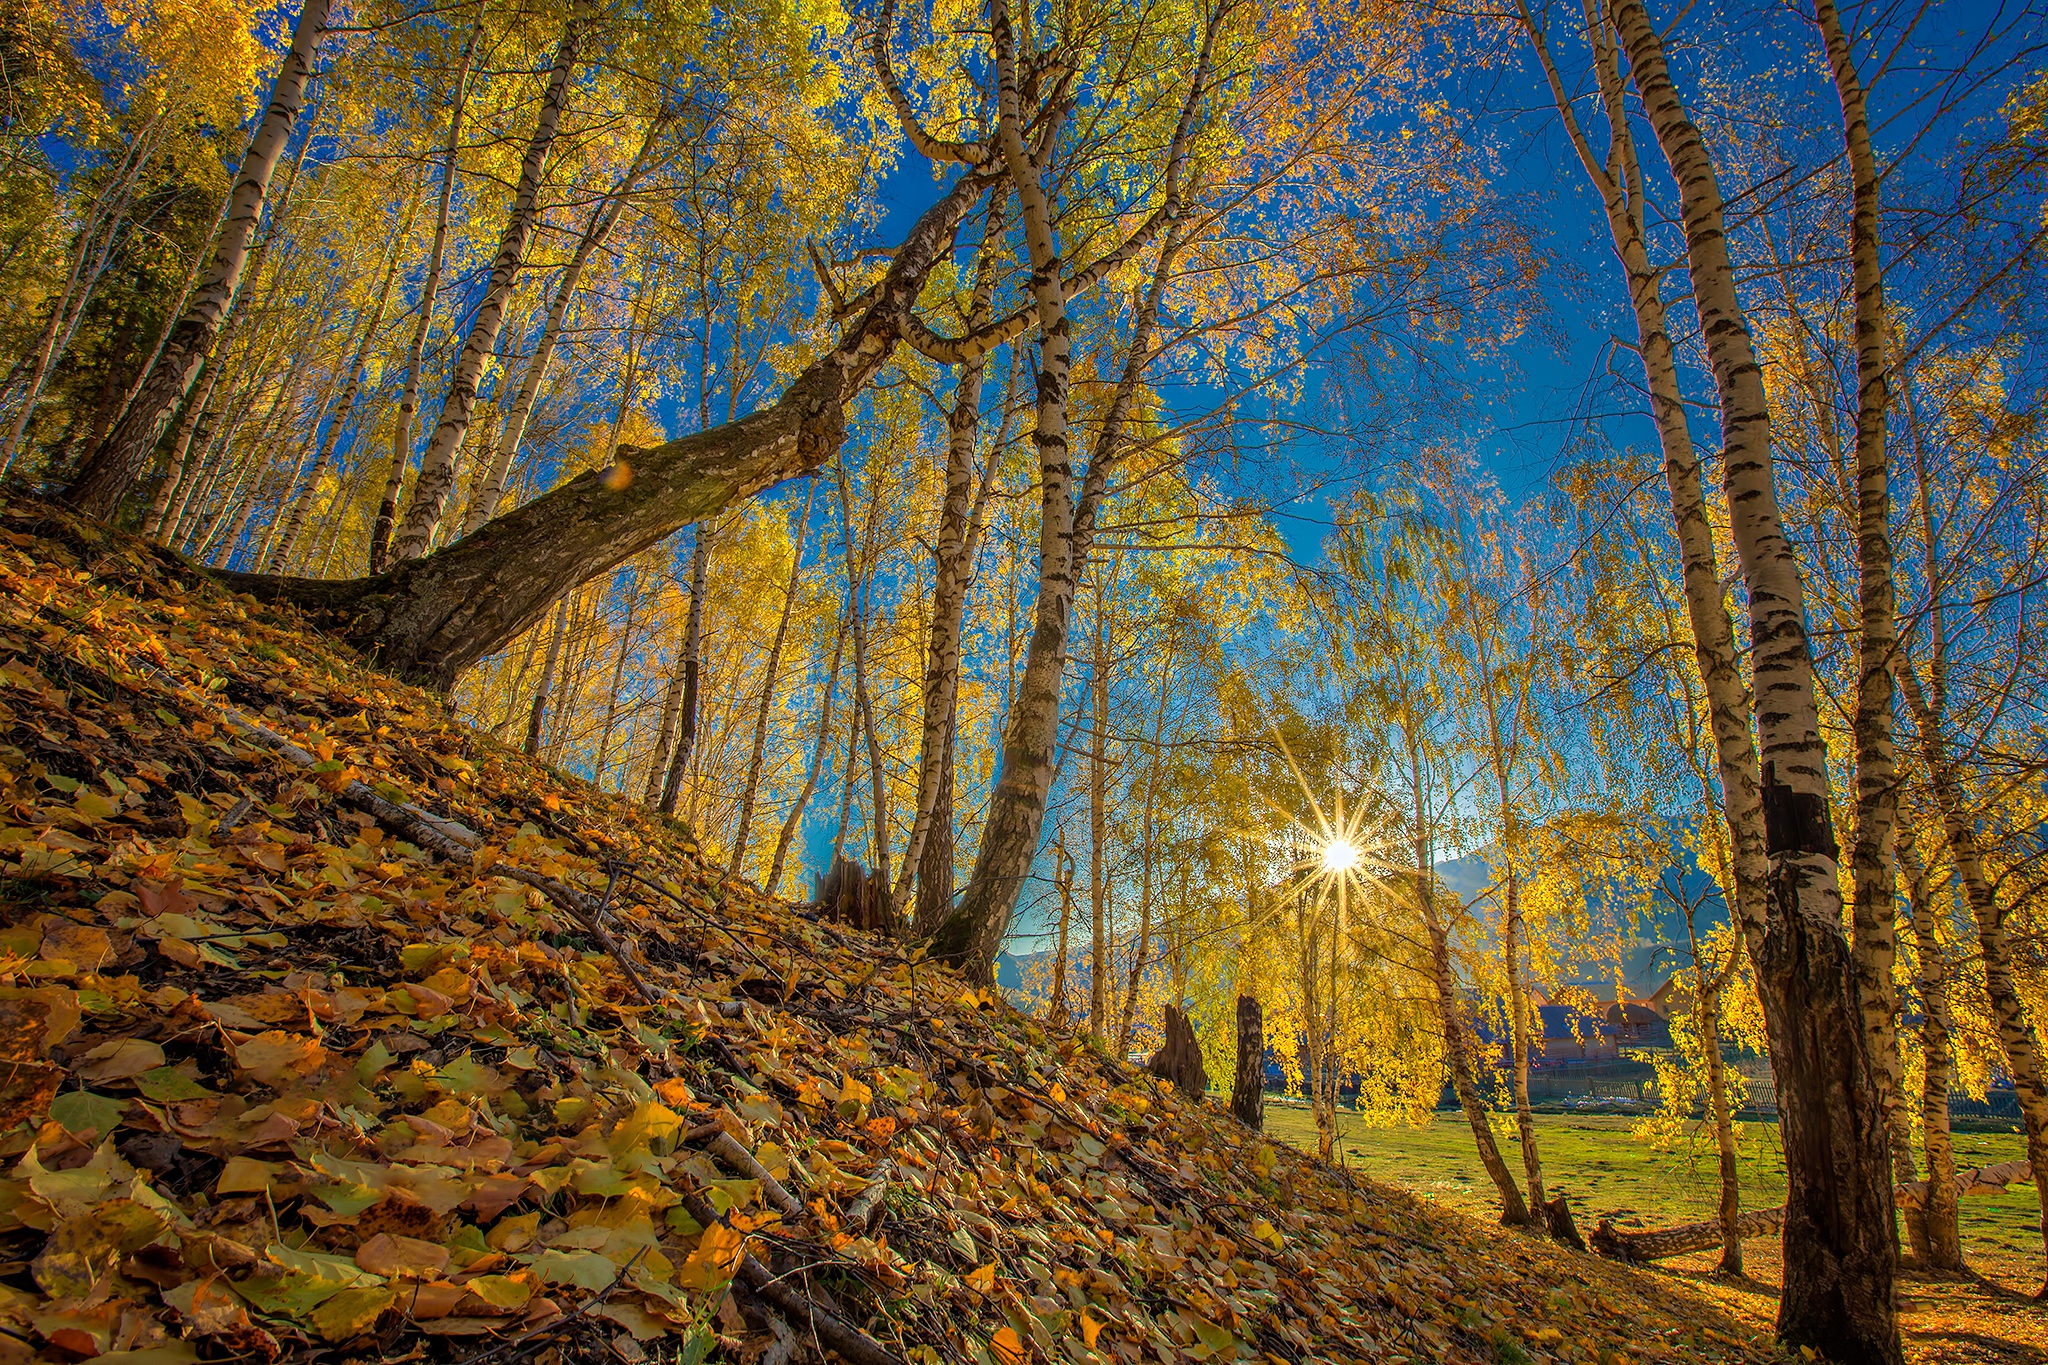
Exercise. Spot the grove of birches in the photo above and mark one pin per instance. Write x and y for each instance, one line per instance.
(1132, 490)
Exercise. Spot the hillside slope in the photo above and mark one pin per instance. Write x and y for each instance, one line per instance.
(285, 1084)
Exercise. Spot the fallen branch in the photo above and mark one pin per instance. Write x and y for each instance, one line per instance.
(853, 1345)
(727, 1148)
(578, 905)
(1659, 1244)
(1977, 1180)
(861, 1213)
(1662, 1243)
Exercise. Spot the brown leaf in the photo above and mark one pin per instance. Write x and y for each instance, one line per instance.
(277, 1058)
(401, 1257)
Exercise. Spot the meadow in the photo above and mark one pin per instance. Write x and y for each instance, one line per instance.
(1608, 1172)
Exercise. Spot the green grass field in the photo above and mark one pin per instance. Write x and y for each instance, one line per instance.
(1608, 1172)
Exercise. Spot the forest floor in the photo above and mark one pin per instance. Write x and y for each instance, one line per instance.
(1986, 1318)
(295, 1073)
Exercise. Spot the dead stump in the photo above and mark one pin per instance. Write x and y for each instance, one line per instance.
(1557, 1216)
(849, 894)
(1179, 1058)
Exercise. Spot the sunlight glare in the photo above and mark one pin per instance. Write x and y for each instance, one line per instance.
(1339, 855)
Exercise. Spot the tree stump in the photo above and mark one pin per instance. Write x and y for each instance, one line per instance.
(1248, 1093)
(1179, 1058)
(849, 894)
(1557, 1216)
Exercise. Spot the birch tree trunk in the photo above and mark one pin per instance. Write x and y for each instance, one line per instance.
(769, 674)
(177, 468)
(200, 417)
(1016, 814)
(430, 294)
(537, 716)
(1458, 1041)
(951, 567)
(2008, 1011)
(302, 505)
(693, 662)
(491, 490)
(437, 467)
(793, 821)
(1874, 917)
(1840, 1250)
(611, 697)
(1939, 1216)
(1730, 1206)
(113, 469)
(1098, 827)
(1063, 881)
(1518, 1010)
(664, 738)
(1009, 837)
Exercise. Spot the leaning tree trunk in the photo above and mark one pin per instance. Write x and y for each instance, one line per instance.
(432, 617)
(1518, 1026)
(437, 467)
(1840, 1250)
(114, 467)
(1708, 1010)
(200, 415)
(1458, 1057)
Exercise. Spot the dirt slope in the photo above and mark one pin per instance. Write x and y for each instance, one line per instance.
(283, 1084)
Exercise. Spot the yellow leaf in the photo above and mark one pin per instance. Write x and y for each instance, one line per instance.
(982, 1279)
(1007, 1346)
(276, 1058)
(716, 1256)
(351, 1313)
(245, 1175)
(1090, 1329)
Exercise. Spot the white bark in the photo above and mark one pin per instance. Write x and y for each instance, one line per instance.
(437, 466)
(491, 491)
(114, 467)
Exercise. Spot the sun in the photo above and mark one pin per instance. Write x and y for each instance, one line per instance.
(1339, 855)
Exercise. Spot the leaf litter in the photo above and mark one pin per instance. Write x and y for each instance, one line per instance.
(281, 1083)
